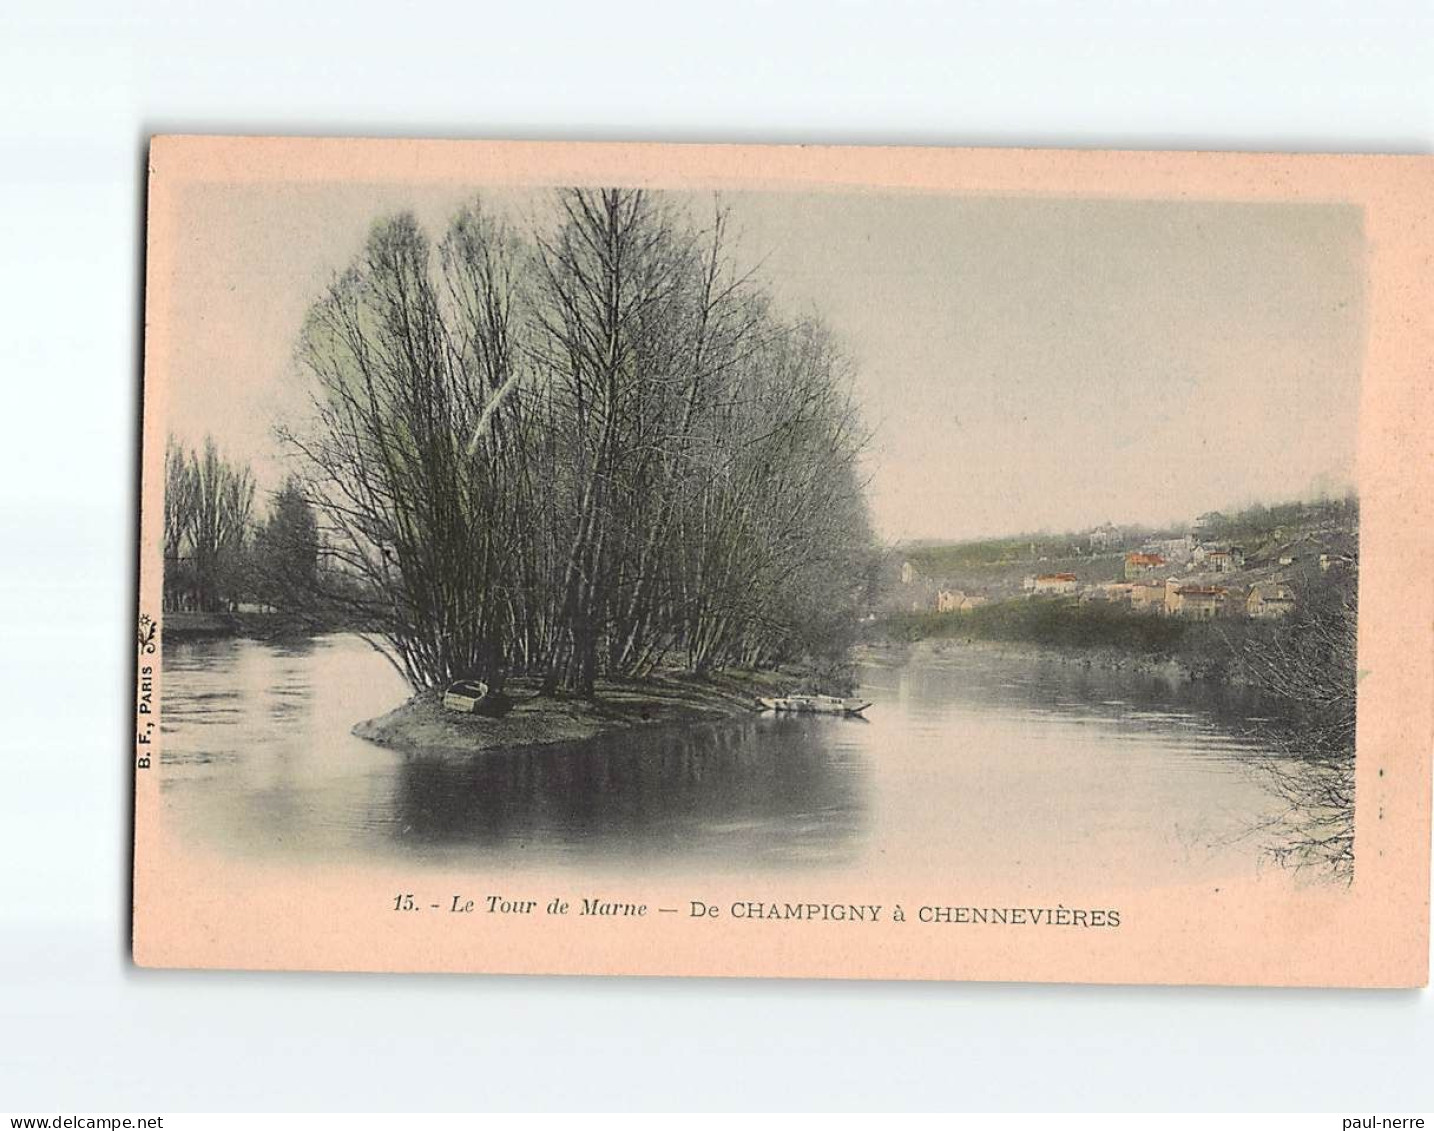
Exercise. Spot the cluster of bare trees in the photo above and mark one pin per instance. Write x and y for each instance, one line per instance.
(208, 504)
(218, 554)
(587, 448)
(1308, 664)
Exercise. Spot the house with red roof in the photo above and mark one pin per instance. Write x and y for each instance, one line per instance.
(1139, 563)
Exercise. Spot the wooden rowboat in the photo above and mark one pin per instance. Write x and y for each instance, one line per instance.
(815, 705)
(465, 695)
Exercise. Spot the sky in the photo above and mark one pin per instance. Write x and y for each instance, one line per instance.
(1024, 363)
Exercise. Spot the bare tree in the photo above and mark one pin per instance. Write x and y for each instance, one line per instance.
(1308, 664)
(208, 508)
(583, 453)
(407, 457)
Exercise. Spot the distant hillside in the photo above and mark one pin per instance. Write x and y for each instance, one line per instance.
(996, 566)
(940, 559)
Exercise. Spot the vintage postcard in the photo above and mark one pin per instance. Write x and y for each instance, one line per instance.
(786, 561)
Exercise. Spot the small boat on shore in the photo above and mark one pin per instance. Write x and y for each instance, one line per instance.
(465, 695)
(815, 705)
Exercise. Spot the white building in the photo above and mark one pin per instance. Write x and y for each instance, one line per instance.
(1058, 584)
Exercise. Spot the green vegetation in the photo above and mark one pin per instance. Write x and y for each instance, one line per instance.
(1059, 623)
(1306, 659)
(284, 563)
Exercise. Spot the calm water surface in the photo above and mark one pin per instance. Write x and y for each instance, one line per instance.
(970, 764)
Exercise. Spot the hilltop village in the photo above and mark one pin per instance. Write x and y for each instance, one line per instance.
(1254, 564)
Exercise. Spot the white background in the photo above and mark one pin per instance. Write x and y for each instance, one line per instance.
(80, 89)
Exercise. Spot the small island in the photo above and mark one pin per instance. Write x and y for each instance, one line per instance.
(527, 717)
(592, 465)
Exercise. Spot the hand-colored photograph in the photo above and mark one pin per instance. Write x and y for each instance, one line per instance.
(711, 574)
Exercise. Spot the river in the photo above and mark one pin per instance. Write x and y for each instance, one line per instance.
(1003, 766)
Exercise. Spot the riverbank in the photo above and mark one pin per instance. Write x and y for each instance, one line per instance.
(892, 653)
(1092, 636)
(423, 727)
(180, 627)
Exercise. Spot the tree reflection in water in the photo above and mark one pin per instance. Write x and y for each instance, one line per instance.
(1310, 668)
(1315, 831)
(708, 788)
